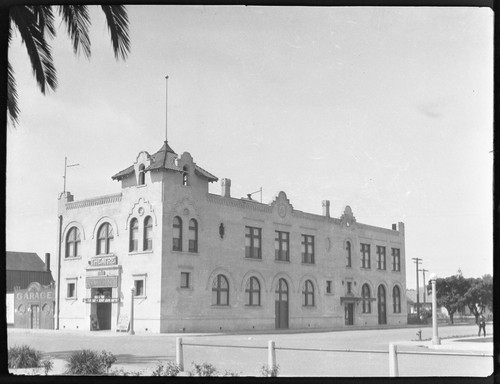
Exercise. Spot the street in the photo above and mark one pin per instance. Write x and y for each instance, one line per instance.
(142, 352)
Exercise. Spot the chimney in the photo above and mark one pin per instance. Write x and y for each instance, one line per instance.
(394, 227)
(326, 208)
(226, 187)
(47, 262)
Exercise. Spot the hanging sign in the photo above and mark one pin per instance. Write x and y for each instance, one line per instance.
(102, 282)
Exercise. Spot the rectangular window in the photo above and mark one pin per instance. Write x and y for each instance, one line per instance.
(184, 279)
(396, 260)
(349, 287)
(328, 286)
(140, 285)
(252, 242)
(281, 246)
(365, 255)
(308, 249)
(380, 257)
(71, 291)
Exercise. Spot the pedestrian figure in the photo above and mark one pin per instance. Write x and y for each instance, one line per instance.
(482, 325)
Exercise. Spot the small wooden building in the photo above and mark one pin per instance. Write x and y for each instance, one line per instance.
(34, 306)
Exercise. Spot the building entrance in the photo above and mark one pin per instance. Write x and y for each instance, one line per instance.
(349, 314)
(35, 316)
(382, 316)
(102, 310)
(281, 305)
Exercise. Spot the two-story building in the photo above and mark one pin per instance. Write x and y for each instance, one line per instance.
(197, 261)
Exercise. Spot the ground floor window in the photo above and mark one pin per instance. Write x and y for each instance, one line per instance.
(220, 291)
(140, 285)
(184, 279)
(71, 288)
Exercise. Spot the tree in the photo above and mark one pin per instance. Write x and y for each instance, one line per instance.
(450, 293)
(35, 25)
(479, 295)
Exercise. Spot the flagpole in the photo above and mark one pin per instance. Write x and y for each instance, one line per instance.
(166, 108)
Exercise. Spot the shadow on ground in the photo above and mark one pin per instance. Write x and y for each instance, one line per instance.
(120, 359)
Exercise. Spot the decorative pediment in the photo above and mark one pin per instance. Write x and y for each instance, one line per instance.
(347, 217)
(281, 205)
(141, 209)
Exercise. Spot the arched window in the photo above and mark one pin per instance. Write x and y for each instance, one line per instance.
(142, 174)
(185, 176)
(148, 233)
(177, 240)
(396, 299)
(73, 243)
(348, 254)
(134, 236)
(365, 294)
(253, 291)
(105, 239)
(308, 294)
(193, 235)
(220, 291)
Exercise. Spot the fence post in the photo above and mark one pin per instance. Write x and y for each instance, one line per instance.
(393, 360)
(179, 356)
(271, 356)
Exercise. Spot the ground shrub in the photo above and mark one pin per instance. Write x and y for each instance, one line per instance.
(47, 364)
(168, 369)
(24, 357)
(266, 371)
(88, 362)
(204, 369)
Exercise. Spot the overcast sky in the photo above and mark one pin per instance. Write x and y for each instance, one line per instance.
(388, 110)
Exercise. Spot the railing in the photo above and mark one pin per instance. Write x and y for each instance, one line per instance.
(271, 348)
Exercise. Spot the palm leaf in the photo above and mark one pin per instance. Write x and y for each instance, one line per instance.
(45, 19)
(12, 105)
(117, 20)
(77, 20)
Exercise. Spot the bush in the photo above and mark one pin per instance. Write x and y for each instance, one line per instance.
(47, 365)
(24, 357)
(270, 372)
(171, 369)
(204, 369)
(88, 362)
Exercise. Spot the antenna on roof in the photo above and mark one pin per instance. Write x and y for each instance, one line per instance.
(166, 107)
(66, 166)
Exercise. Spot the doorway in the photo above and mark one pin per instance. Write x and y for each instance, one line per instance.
(103, 310)
(382, 316)
(35, 316)
(281, 305)
(349, 314)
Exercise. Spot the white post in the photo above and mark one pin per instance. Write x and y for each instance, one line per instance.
(271, 355)
(131, 330)
(393, 360)
(435, 338)
(179, 355)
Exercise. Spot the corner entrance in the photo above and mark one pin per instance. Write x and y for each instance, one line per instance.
(281, 305)
(349, 314)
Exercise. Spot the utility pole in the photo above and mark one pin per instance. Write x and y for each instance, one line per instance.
(423, 270)
(417, 261)
(66, 166)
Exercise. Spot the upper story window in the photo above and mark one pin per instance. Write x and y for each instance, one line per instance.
(177, 236)
(252, 291)
(396, 299)
(134, 236)
(252, 242)
(142, 174)
(349, 287)
(396, 259)
(73, 243)
(308, 294)
(193, 235)
(365, 256)
(281, 246)
(348, 254)
(380, 257)
(105, 239)
(220, 291)
(308, 249)
(185, 175)
(328, 286)
(366, 296)
(148, 234)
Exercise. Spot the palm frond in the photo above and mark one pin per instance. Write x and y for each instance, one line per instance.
(117, 20)
(12, 105)
(39, 51)
(77, 20)
(45, 19)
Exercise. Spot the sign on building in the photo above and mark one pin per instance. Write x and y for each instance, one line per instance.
(34, 307)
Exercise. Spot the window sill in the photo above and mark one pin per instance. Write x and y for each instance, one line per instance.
(219, 306)
(248, 306)
(71, 298)
(104, 255)
(348, 266)
(308, 307)
(73, 258)
(140, 185)
(396, 271)
(329, 294)
(140, 297)
(381, 269)
(311, 264)
(282, 261)
(253, 258)
(185, 289)
(133, 253)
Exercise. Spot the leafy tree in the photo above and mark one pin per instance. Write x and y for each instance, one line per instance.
(479, 295)
(35, 25)
(450, 293)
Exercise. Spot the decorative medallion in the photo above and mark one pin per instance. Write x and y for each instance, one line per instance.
(186, 211)
(282, 210)
(141, 211)
(46, 309)
(21, 308)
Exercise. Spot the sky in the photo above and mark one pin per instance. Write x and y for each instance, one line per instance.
(387, 110)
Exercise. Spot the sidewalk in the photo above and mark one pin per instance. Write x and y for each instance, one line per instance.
(462, 344)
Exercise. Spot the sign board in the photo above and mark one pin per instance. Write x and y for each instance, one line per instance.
(123, 323)
(103, 260)
(101, 300)
(102, 282)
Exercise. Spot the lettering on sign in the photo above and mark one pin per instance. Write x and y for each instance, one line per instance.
(123, 323)
(101, 300)
(34, 295)
(101, 273)
(104, 260)
(102, 282)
